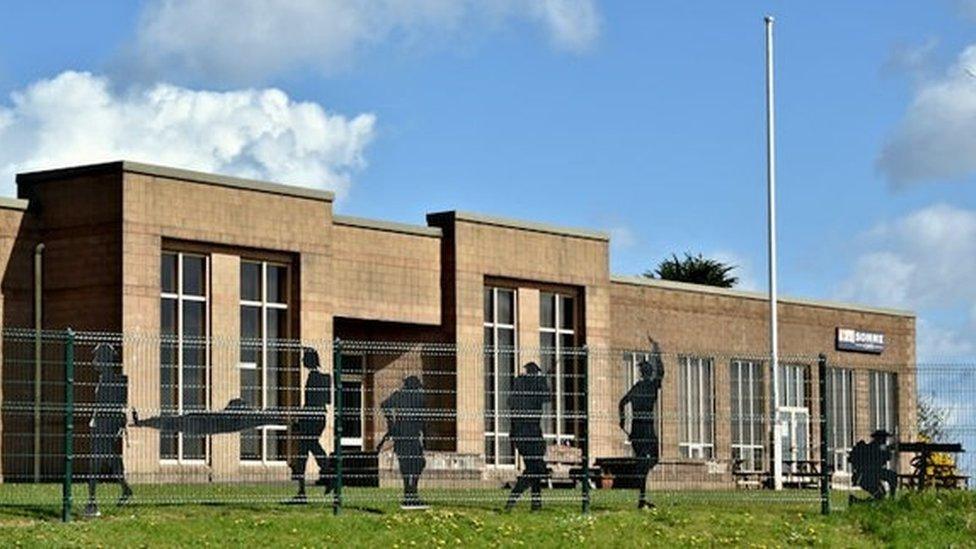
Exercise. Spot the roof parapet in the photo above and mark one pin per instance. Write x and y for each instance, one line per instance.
(176, 173)
(7, 203)
(388, 226)
(759, 296)
(457, 215)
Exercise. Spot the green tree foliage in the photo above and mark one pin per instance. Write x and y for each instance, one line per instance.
(931, 419)
(695, 269)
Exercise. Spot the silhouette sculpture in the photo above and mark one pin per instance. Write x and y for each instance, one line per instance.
(311, 423)
(530, 393)
(870, 463)
(107, 426)
(403, 411)
(237, 416)
(642, 398)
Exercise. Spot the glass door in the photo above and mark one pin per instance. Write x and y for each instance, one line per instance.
(795, 418)
(352, 415)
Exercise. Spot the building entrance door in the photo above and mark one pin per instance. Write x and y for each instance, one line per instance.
(352, 415)
(795, 438)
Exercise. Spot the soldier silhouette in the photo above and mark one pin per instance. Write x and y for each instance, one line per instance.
(403, 411)
(237, 416)
(869, 461)
(310, 425)
(107, 426)
(642, 398)
(530, 393)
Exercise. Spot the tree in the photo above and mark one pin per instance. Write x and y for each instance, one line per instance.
(931, 419)
(695, 269)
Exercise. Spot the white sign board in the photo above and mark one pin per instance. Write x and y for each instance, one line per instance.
(849, 339)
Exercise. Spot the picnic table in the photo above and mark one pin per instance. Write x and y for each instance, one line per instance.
(926, 472)
(796, 473)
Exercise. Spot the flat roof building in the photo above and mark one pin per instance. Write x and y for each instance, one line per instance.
(149, 251)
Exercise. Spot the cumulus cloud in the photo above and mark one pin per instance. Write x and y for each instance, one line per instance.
(77, 118)
(936, 139)
(743, 269)
(622, 237)
(924, 261)
(237, 41)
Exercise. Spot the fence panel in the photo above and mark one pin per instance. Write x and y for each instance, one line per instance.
(186, 418)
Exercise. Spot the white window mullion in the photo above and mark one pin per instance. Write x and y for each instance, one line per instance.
(179, 352)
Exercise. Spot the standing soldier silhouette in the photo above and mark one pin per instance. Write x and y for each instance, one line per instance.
(642, 398)
(403, 411)
(530, 393)
(310, 425)
(107, 426)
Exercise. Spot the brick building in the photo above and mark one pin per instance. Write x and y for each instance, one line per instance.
(139, 249)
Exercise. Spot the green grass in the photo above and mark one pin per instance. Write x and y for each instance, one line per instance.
(371, 518)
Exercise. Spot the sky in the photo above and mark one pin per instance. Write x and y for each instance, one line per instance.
(643, 119)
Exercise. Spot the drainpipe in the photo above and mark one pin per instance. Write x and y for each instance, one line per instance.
(38, 271)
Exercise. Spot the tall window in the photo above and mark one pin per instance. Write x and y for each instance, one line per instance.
(883, 399)
(748, 425)
(561, 364)
(840, 415)
(631, 368)
(792, 386)
(264, 333)
(696, 408)
(500, 356)
(184, 357)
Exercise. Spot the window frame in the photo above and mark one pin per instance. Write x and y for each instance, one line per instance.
(494, 325)
(704, 447)
(886, 419)
(845, 403)
(264, 306)
(795, 382)
(181, 298)
(558, 414)
(632, 360)
(746, 420)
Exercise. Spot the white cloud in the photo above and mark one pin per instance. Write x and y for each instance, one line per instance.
(915, 60)
(77, 118)
(235, 40)
(936, 139)
(925, 261)
(573, 24)
(743, 269)
(622, 237)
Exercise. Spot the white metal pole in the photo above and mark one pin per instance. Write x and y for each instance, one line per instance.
(771, 207)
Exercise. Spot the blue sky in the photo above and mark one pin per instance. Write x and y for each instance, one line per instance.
(644, 119)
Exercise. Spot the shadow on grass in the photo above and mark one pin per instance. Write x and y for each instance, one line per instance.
(27, 511)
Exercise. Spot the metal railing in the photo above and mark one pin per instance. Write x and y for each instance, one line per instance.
(383, 424)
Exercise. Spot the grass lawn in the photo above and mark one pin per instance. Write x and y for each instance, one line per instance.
(371, 518)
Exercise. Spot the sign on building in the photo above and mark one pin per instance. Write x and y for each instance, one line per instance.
(849, 339)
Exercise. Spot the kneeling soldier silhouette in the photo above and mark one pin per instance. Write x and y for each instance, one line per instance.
(870, 464)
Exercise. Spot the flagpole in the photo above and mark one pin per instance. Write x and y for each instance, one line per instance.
(771, 207)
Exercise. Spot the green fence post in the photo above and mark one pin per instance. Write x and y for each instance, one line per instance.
(586, 428)
(337, 425)
(824, 447)
(69, 423)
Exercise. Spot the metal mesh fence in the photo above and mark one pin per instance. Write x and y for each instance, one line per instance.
(91, 420)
